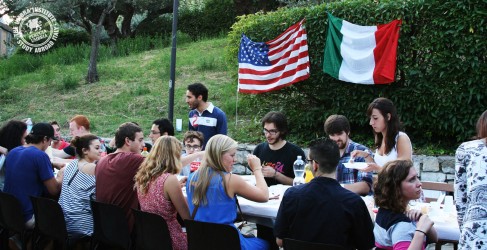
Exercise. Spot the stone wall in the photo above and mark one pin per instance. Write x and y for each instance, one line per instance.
(430, 168)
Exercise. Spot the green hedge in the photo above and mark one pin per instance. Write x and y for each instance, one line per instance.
(440, 89)
(215, 17)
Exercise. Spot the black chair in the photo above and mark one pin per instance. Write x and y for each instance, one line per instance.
(50, 224)
(290, 244)
(206, 235)
(110, 226)
(12, 219)
(151, 232)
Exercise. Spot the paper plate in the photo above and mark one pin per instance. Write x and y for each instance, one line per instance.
(356, 165)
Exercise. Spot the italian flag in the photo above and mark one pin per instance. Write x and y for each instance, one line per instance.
(361, 54)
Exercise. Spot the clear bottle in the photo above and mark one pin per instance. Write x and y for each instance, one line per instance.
(29, 124)
(144, 152)
(298, 168)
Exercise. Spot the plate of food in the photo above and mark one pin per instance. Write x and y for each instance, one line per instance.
(356, 165)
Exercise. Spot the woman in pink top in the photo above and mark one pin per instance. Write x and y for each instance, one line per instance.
(159, 190)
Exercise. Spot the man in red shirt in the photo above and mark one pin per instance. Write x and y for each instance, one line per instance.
(115, 172)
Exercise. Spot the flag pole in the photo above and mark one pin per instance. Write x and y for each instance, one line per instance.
(236, 109)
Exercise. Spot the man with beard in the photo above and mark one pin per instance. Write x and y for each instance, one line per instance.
(277, 157)
(276, 154)
(337, 128)
(204, 116)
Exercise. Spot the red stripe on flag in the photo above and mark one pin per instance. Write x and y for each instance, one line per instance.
(291, 60)
(274, 80)
(247, 91)
(385, 52)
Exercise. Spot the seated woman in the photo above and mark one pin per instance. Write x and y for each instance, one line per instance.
(159, 190)
(79, 185)
(390, 143)
(395, 227)
(212, 188)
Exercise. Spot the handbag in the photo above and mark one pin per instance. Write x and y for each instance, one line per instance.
(239, 228)
(244, 222)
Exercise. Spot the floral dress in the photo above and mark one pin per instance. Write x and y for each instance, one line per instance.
(155, 202)
(471, 194)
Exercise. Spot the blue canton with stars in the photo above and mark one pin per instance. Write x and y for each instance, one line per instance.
(254, 53)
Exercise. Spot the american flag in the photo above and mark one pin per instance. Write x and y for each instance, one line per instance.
(272, 65)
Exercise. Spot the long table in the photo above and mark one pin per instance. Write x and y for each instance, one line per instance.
(265, 214)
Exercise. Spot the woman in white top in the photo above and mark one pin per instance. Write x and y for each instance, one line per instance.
(390, 143)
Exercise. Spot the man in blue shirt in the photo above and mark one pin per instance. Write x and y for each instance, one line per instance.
(322, 211)
(28, 170)
(337, 128)
(204, 116)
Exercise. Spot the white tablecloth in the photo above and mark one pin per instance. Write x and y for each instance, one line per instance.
(265, 213)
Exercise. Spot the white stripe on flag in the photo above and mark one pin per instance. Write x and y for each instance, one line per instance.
(357, 50)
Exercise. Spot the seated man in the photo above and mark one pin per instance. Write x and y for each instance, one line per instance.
(322, 211)
(115, 172)
(28, 171)
(159, 128)
(192, 141)
(58, 142)
(79, 125)
(337, 128)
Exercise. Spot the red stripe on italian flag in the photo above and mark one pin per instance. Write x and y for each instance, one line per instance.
(361, 54)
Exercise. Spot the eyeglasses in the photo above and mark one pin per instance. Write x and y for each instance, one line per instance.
(271, 132)
(154, 132)
(309, 160)
(192, 147)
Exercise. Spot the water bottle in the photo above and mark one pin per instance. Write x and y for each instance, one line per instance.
(144, 152)
(29, 125)
(298, 168)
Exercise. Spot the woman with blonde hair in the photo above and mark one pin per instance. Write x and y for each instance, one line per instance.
(212, 189)
(471, 188)
(395, 227)
(158, 188)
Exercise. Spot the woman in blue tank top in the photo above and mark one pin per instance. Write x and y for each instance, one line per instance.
(212, 188)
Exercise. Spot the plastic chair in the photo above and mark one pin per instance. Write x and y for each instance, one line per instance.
(50, 223)
(12, 219)
(152, 232)
(211, 236)
(291, 244)
(110, 227)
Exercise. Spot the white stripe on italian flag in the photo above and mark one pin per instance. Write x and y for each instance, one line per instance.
(361, 54)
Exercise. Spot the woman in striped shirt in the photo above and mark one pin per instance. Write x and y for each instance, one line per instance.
(79, 184)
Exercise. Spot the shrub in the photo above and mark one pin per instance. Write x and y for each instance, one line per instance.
(215, 17)
(440, 85)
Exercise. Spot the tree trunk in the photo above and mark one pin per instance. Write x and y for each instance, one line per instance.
(92, 75)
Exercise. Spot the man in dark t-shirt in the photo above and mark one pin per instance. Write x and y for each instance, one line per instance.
(115, 172)
(322, 211)
(277, 157)
(276, 154)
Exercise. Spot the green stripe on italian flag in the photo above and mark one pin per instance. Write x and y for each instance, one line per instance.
(361, 54)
